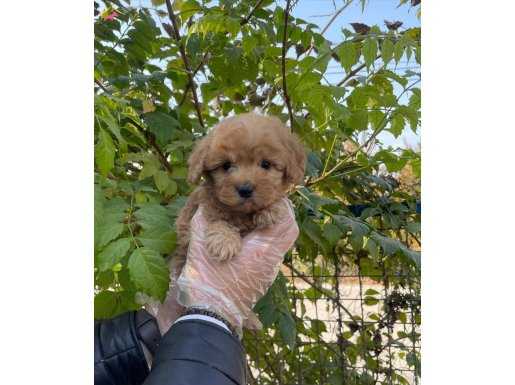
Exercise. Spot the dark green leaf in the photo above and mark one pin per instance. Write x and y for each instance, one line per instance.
(149, 272)
(113, 253)
(104, 152)
(349, 55)
(370, 51)
(161, 125)
(159, 238)
(387, 51)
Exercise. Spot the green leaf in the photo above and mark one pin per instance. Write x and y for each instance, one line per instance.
(411, 115)
(104, 152)
(161, 125)
(415, 256)
(98, 205)
(370, 51)
(377, 119)
(274, 308)
(113, 253)
(216, 23)
(314, 232)
(287, 328)
(413, 227)
(313, 165)
(187, 8)
(162, 180)
(371, 292)
(372, 248)
(148, 271)
(150, 167)
(390, 246)
(158, 238)
(332, 233)
(151, 215)
(397, 125)
(106, 305)
(266, 309)
(370, 269)
(358, 120)
(105, 233)
(370, 301)
(318, 326)
(398, 51)
(387, 51)
(349, 55)
(357, 227)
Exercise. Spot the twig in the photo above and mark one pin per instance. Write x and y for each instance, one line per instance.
(98, 83)
(247, 19)
(353, 73)
(185, 60)
(152, 141)
(324, 30)
(195, 71)
(283, 63)
(336, 14)
(415, 238)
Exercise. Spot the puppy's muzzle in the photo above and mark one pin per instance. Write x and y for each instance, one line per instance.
(245, 190)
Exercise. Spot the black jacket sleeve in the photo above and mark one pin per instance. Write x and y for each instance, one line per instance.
(119, 358)
(196, 352)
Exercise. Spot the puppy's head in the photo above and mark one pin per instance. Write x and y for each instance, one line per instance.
(249, 161)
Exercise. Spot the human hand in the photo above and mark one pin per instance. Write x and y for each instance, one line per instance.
(231, 288)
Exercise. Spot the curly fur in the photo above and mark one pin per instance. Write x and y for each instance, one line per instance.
(244, 142)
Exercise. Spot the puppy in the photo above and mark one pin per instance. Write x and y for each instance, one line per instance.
(248, 162)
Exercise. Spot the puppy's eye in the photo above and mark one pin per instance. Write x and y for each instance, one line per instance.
(265, 164)
(227, 165)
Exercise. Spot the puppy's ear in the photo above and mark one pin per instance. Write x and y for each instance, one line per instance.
(296, 160)
(197, 160)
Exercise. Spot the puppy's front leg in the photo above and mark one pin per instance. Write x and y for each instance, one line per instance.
(269, 216)
(223, 240)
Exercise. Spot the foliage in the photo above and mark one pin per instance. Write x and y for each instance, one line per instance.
(166, 73)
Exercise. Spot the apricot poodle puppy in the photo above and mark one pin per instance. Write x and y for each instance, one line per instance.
(248, 163)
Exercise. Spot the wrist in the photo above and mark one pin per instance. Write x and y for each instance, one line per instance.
(209, 316)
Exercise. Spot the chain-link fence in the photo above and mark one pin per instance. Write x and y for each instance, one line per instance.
(357, 321)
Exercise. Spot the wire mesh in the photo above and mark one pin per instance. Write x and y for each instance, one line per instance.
(348, 316)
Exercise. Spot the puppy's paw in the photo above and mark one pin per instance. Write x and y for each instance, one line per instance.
(222, 243)
(269, 216)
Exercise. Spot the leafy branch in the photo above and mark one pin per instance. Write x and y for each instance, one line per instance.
(191, 80)
(283, 63)
(246, 19)
(195, 71)
(152, 142)
(377, 131)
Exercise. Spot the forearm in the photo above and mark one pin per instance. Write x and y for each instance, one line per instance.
(200, 352)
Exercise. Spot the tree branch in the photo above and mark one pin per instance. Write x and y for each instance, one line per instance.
(247, 19)
(283, 63)
(353, 73)
(195, 71)
(152, 141)
(102, 87)
(177, 37)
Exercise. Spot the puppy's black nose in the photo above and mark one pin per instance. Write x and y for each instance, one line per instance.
(245, 190)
